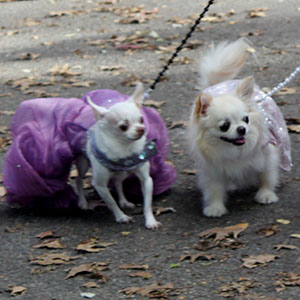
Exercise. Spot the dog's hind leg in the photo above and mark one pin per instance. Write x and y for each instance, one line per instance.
(82, 165)
(119, 187)
(100, 183)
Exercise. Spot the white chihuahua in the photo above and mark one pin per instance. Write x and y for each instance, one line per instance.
(114, 146)
(228, 134)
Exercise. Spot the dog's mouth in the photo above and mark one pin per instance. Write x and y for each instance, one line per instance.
(237, 141)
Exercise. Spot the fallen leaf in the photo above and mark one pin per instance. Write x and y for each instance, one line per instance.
(17, 290)
(285, 279)
(156, 104)
(288, 247)
(29, 56)
(46, 234)
(144, 275)
(110, 68)
(64, 70)
(221, 233)
(94, 269)
(125, 233)
(283, 221)
(231, 289)
(294, 128)
(178, 124)
(295, 235)
(162, 210)
(92, 245)
(286, 91)
(134, 267)
(257, 12)
(52, 259)
(154, 290)
(90, 284)
(201, 255)
(52, 244)
(271, 230)
(252, 261)
(189, 171)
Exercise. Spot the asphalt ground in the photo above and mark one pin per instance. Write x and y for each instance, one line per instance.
(111, 44)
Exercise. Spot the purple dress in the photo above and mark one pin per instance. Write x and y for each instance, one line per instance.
(48, 134)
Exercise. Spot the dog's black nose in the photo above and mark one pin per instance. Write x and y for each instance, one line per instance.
(241, 130)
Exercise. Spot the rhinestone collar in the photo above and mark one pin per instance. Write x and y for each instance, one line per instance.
(124, 164)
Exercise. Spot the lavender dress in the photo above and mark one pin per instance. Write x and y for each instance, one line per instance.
(48, 134)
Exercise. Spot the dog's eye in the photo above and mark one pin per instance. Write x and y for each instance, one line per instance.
(246, 119)
(225, 126)
(141, 120)
(124, 126)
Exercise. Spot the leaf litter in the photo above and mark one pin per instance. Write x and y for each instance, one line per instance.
(93, 245)
(221, 233)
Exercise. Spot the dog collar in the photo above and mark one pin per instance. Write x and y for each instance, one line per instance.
(124, 164)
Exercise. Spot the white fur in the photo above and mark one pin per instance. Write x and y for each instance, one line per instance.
(223, 164)
(117, 144)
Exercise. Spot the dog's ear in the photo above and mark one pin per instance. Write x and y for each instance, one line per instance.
(138, 95)
(200, 106)
(246, 88)
(99, 111)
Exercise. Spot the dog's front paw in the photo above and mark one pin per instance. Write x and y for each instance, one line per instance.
(152, 224)
(266, 196)
(124, 219)
(215, 210)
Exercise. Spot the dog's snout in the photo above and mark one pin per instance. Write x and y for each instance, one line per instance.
(241, 130)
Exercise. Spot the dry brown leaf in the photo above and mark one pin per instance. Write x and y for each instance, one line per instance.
(285, 279)
(144, 275)
(200, 255)
(134, 267)
(287, 91)
(92, 245)
(94, 269)
(17, 290)
(294, 128)
(252, 261)
(162, 210)
(52, 259)
(282, 246)
(29, 56)
(269, 231)
(65, 70)
(154, 290)
(177, 124)
(189, 171)
(257, 12)
(231, 289)
(222, 232)
(46, 234)
(90, 284)
(52, 244)
(7, 112)
(110, 68)
(156, 104)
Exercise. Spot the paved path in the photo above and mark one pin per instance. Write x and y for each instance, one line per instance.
(98, 41)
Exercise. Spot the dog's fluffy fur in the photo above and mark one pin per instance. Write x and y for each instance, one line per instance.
(226, 134)
(119, 133)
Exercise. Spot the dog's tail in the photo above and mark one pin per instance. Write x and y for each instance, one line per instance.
(222, 62)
